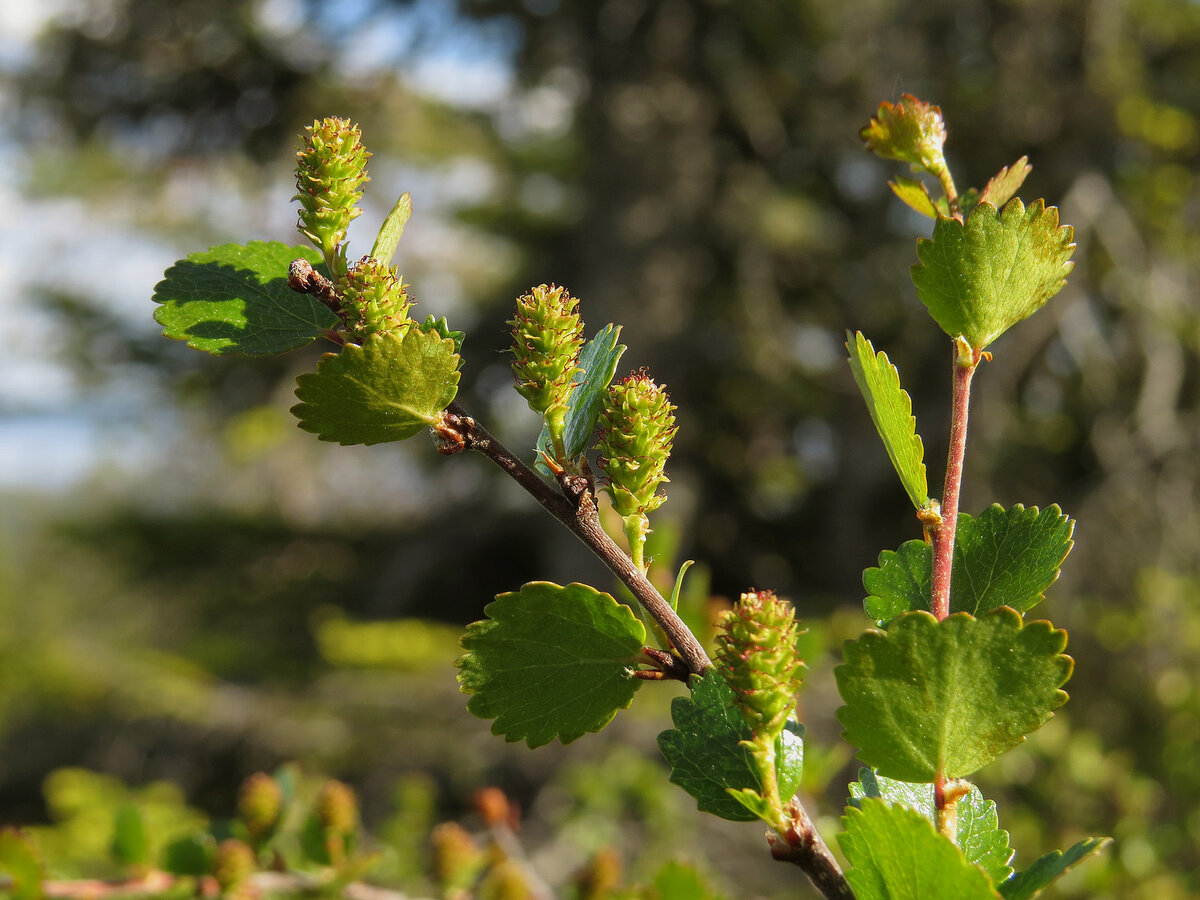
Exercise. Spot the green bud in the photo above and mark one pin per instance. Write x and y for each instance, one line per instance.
(233, 864)
(337, 809)
(331, 168)
(260, 803)
(505, 881)
(374, 299)
(547, 336)
(457, 858)
(601, 877)
(637, 426)
(756, 654)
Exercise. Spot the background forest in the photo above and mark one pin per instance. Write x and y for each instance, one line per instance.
(193, 590)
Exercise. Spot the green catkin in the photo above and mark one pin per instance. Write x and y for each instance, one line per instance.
(331, 168)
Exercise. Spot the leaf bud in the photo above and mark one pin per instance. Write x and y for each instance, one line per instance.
(637, 427)
(374, 300)
(233, 864)
(331, 168)
(260, 803)
(600, 877)
(457, 858)
(506, 881)
(547, 336)
(495, 808)
(910, 131)
(337, 809)
(756, 654)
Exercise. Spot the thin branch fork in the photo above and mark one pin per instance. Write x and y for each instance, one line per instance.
(574, 505)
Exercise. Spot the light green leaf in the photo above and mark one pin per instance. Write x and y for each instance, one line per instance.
(706, 757)
(1048, 869)
(915, 194)
(1004, 185)
(392, 228)
(980, 837)
(551, 661)
(896, 854)
(597, 364)
(979, 279)
(387, 389)
(441, 328)
(891, 411)
(236, 299)
(676, 881)
(928, 698)
(19, 859)
(1005, 557)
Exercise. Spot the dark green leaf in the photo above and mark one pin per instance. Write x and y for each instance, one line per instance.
(896, 854)
(928, 698)
(130, 843)
(236, 299)
(980, 837)
(597, 364)
(190, 855)
(979, 279)
(891, 411)
(20, 860)
(1048, 869)
(551, 661)
(706, 757)
(1005, 557)
(388, 389)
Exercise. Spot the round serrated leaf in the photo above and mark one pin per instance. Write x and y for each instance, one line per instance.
(235, 299)
(928, 698)
(386, 389)
(980, 278)
(551, 662)
(896, 854)
(1003, 557)
(706, 756)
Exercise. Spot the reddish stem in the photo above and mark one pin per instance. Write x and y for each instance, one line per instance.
(966, 361)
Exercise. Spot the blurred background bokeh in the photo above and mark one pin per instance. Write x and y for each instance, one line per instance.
(191, 589)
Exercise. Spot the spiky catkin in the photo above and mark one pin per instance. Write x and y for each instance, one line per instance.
(260, 802)
(637, 428)
(331, 168)
(756, 654)
(374, 299)
(547, 336)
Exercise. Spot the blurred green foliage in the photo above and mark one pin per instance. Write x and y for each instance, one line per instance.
(690, 169)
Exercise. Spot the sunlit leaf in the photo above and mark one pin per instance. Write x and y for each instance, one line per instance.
(388, 389)
(1048, 869)
(979, 279)
(929, 698)
(891, 411)
(551, 662)
(896, 854)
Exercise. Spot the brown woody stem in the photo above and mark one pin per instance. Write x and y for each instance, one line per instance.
(574, 505)
(966, 360)
(801, 845)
